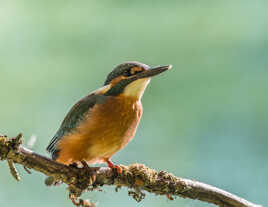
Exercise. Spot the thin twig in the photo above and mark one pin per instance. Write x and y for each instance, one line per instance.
(13, 170)
(27, 170)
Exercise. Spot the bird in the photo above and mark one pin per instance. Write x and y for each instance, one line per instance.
(103, 122)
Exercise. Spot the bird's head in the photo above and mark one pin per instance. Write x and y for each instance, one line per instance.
(131, 79)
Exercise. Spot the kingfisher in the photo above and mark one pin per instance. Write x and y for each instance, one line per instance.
(103, 122)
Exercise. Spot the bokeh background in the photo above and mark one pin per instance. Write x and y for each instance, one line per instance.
(205, 120)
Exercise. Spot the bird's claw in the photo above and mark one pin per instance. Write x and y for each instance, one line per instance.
(85, 165)
(90, 173)
(113, 166)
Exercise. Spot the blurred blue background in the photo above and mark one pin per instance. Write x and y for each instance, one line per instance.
(206, 119)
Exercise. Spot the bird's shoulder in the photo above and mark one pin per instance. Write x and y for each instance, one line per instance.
(76, 114)
(82, 107)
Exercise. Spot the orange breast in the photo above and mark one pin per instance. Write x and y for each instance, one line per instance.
(106, 129)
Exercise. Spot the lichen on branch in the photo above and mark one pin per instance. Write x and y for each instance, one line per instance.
(137, 177)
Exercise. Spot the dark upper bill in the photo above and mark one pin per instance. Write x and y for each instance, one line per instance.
(152, 72)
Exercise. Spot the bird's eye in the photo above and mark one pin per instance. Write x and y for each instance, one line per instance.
(127, 73)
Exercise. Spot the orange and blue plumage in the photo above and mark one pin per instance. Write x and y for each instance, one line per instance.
(103, 122)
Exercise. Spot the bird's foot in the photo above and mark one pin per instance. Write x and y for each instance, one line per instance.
(113, 166)
(90, 172)
(85, 165)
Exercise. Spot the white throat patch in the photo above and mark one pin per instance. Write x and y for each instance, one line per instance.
(136, 88)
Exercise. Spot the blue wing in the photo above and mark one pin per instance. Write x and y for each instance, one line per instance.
(74, 116)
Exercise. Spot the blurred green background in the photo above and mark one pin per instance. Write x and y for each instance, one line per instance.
(205, 120)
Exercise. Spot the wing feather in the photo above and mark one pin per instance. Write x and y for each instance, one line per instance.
(73, 117)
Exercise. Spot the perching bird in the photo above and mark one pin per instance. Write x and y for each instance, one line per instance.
(103, 122)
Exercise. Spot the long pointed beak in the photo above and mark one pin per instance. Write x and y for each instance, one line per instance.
(152, 72)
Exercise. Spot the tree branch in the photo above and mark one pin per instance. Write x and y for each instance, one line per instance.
(137, 177)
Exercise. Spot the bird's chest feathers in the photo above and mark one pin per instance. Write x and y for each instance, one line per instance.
(110, 126)
(117, 116)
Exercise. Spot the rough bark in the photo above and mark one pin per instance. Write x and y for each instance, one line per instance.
(137, 177)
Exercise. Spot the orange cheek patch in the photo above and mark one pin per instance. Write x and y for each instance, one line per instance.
(116, 80)
(135, 69)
